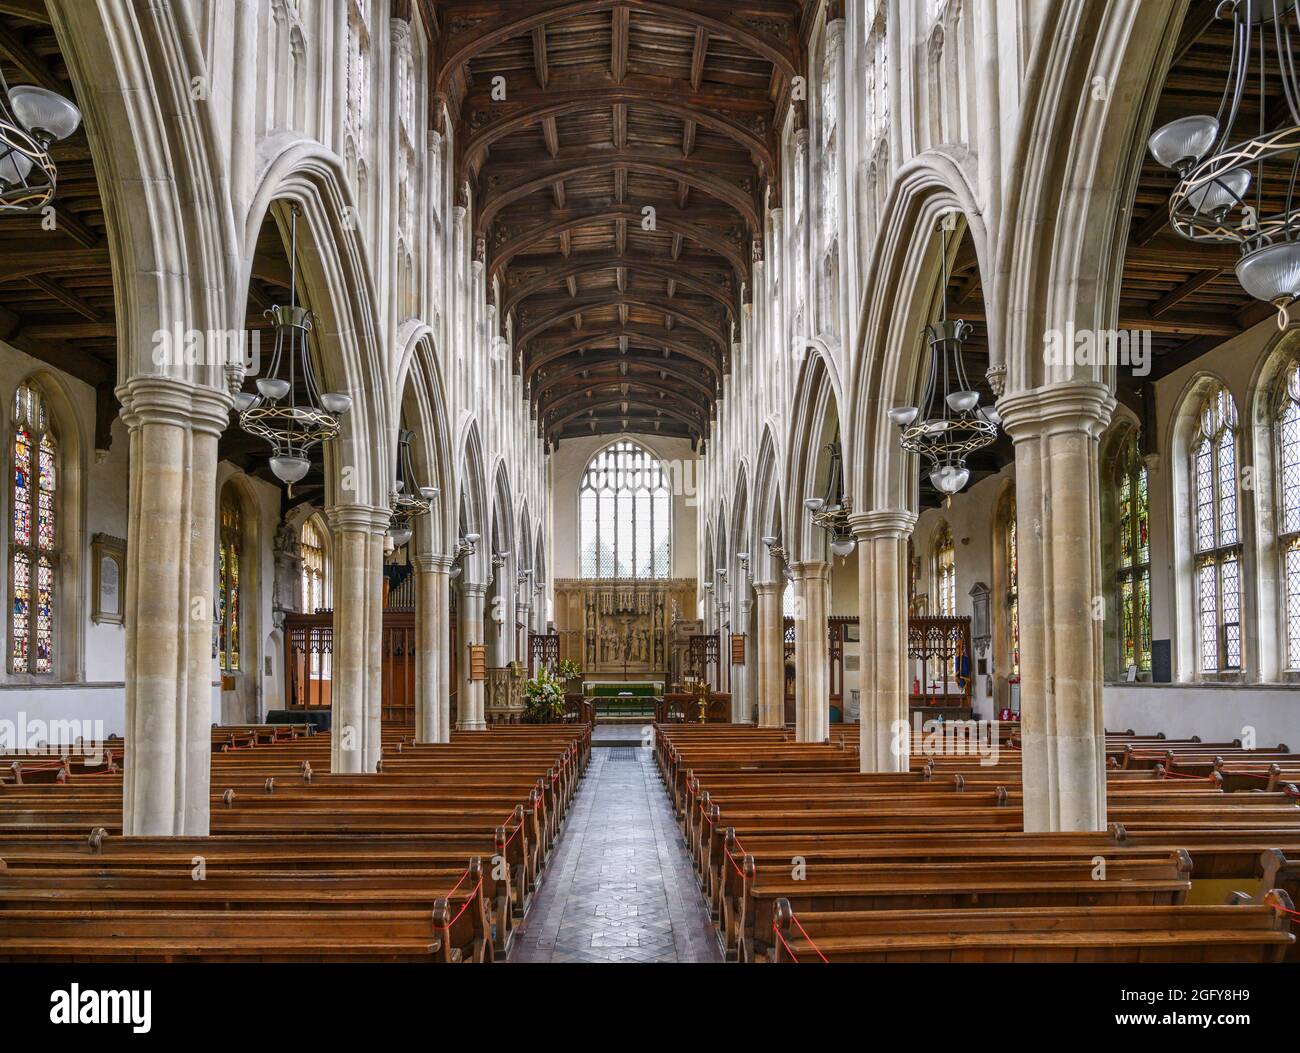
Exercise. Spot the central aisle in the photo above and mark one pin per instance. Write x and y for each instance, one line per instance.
(619, 887)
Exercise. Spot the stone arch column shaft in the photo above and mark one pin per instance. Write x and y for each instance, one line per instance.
(812, 707)
(432, 666)
(173, 428)
(770, 657)
(356, 692)
(884, 736)
(1057, 432)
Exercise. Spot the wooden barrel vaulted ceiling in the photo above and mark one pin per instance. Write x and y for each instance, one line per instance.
(610, 108)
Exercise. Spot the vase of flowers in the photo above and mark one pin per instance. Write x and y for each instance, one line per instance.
(544, 698)
(570, 673)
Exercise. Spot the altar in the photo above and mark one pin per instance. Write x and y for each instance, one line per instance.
(620, 629)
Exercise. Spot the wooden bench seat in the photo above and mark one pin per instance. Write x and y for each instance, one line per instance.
(1220, 934)
(948, 885)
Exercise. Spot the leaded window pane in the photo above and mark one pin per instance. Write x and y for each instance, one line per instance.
(34, 535)
(625, 510)
(1291, 572)
(1207, 592)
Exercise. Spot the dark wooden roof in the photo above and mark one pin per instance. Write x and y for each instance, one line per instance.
(620, 323)
(56, 285)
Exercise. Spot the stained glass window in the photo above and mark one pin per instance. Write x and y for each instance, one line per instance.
(312, 548)
(230, 551)
(1288, 509)
(1013, 590)
(34, 542)
(625, 514)
(1133, 570)
(1216, 536)
(945, 575)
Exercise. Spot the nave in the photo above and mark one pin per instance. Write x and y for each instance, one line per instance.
(620, 887)
(401, 398)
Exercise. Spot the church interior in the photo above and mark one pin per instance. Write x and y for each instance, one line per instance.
(630, 481)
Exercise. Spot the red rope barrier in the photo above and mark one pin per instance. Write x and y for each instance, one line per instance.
(1184, 775)
(473, 894)
(794, 918)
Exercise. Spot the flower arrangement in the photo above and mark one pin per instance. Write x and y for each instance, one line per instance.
(544, 697)
(568, 669)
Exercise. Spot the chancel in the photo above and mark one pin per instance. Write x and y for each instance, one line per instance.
(497, 480)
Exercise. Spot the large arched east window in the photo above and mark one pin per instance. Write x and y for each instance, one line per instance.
(34, 539)
(945, 575)
(229, 557)
(1287, 424)
(625, 515)
(1216, 536)
(1133, 559)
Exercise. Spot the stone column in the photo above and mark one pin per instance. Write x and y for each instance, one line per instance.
(1057, 431)
(812, 704)
(742, 676)
(432, 603)
(470, 715)
(770, 648)
(171, 546)
(884, 737)
(357, 664)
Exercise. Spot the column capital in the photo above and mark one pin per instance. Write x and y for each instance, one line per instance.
(363, 518)
(1084, 406)
(897, 524)
(150, 399)
(431, 563)
(474, 588)
(765, 588)
(811, 568)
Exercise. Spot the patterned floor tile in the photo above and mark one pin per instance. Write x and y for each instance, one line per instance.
(621, 887)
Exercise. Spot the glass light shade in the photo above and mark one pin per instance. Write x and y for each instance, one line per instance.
(934, 427)
(400, 536)
(1221, 193)
(961, 401)
(843, 545)
(14, 167)
(273, 389)
(290, 469)
(336, 403)
(991, 415)
(454, 572)
(399, 485)
(949, 478)
(813, 504)
(46, 114)
(473, 538)
(769, 540)
(429, 492)
(1271, 273)
(903, 415)
(1181, 143)
(244, 400)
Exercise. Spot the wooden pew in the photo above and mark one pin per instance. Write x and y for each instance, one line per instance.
(1147, 934)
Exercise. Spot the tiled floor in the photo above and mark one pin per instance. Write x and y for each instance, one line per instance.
(619, 887)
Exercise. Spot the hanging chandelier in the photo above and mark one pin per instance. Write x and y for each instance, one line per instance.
(1219, 163)
(31, 118)
(274, 413)
(407, 501)
(949, 425)
(831, 512)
